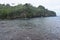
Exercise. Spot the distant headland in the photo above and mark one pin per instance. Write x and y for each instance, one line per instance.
(24, 11)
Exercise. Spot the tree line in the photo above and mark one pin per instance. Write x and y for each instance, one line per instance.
(24, 11)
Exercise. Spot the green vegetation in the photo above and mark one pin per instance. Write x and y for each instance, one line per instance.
(23, 11)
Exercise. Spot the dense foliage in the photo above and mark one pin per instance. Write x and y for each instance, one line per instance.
(23, 11)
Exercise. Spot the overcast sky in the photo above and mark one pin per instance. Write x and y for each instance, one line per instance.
(53, 5)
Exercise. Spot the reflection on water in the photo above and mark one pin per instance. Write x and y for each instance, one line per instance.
(47, 26)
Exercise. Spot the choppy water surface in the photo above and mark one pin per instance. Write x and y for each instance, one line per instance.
(47, 28)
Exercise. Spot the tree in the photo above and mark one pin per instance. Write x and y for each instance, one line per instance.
(24, 11)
